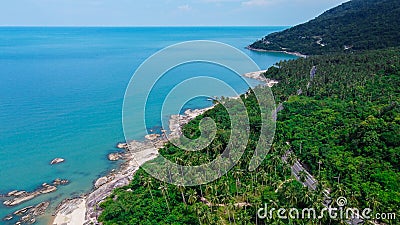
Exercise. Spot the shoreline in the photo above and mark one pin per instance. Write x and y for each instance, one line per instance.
(298, 54)
(84, 209)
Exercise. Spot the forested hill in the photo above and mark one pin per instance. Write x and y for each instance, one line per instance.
(343, 124)
(353, 26)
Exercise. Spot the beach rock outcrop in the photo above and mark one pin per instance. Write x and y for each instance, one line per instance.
(57, 161)
(28, 214)
(12, 193)
(152, 137)
(22, 211)
(100, 182)
(122, 146)
(45, 189)
(17, 197)
(16, 193)
(59, 181)
(8, 218)
(40, 209)
(114, 156)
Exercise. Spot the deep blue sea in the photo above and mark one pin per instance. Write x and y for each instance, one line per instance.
(61, 95)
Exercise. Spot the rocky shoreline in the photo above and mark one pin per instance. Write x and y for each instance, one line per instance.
(84, 209)
(286, 52)
(18, 197)
(258, 75)
(29, 214)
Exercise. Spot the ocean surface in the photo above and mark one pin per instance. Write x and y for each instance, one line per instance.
(61, 95)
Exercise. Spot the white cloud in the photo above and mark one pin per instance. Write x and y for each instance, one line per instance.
(185, 7)
(257, 2)
(219, 1)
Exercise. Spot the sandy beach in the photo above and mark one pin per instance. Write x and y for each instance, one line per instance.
(75, 214)
(83, 210)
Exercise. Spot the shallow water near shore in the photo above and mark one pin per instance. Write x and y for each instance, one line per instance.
(61, 95)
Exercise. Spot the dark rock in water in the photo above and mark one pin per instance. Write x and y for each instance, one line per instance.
(58, 182)
(57, 161)
(22, 211)
(8, 218)
(28, 215)
(39, 209)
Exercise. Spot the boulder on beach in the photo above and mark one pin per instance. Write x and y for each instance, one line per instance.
(122, 146)
(152, 137)
(114, 156)
(57, 161)
(100, 182)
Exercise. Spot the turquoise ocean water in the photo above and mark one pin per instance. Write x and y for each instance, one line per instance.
(61, 95)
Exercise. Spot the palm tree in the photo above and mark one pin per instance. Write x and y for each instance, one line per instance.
(237, 174)
(214, 200)
(164, 191)
(307, 196)
(264, 178)
(291, 195)
(231, 210)
(149, 184)
(302, 176)
(340, 190)
(199, 180)
(181, 189)
(192, 196)
(291, 159)
(180, 162)
(202, 215)
(209, 189)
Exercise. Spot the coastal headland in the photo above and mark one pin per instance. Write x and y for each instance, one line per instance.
(85, 210)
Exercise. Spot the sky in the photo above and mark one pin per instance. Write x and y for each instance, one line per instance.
(161, 12)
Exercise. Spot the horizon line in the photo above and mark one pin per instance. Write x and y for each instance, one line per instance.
(140, 26)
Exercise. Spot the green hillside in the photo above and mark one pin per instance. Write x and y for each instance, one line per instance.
(353, 26)
(347, 118)
(340, 119)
